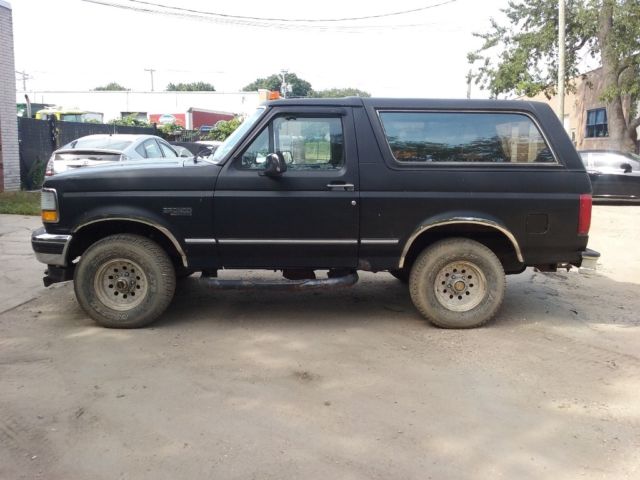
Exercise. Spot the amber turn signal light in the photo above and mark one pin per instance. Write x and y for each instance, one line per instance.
(50, 216)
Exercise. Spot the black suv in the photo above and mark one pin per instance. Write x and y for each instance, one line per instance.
(447, 195)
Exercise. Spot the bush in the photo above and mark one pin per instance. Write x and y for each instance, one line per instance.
(223, 129)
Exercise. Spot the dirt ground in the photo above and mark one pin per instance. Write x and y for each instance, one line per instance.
(348, 384)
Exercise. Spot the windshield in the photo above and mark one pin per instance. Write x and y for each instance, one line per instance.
(109, 143)
(235, 137)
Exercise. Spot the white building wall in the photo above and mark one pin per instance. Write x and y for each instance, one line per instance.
(9, 153)
(112, 103)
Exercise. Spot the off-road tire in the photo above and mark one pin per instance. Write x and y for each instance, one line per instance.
(438, 258)
(157, 277)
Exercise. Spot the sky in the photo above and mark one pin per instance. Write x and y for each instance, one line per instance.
(78, 45)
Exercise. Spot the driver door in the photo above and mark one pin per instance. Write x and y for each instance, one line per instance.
(306, 217)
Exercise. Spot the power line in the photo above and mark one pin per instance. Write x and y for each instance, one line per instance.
(261, 24)
(307, 20)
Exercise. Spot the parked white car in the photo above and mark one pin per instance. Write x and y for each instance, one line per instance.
(100, 149)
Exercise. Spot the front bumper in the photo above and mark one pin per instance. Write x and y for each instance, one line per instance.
(50, 248)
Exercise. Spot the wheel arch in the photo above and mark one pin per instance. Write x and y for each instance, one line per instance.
(484, 229)
(92, 229)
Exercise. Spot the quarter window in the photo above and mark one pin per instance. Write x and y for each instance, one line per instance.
(305, 143)
(437, 137)
(597, 125)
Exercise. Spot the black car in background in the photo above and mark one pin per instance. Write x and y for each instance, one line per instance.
(615, 176)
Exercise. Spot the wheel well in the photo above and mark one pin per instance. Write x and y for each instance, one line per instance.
(88, 235)
(493, 239)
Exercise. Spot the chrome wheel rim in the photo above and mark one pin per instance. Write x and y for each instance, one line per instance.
(460, 286)
(121, 284)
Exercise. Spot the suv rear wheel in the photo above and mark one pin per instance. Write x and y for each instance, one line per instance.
(457, 283)
(124, 281)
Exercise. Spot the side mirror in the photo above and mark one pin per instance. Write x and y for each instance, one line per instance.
(275, 166)
(626, 167)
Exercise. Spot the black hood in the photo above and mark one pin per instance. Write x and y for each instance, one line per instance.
(140, 175)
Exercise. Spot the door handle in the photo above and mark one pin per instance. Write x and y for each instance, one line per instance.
(341, 186)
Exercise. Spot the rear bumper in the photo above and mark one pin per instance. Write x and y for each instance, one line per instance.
(589, 259)
(50, 249)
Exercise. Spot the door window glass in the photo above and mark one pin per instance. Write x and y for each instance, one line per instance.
(151, 149)
(305, 143)
(309, 143)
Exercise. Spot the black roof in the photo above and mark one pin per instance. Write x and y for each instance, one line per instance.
(412, 103)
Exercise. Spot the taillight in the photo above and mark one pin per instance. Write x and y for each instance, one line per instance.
(49, 170)
(584, 215)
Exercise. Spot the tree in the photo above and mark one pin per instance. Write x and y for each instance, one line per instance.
(522, 56)
(223, 129)
(190, 87)
(299, 87)
(130, 121)
(109, 87)
(340, 92)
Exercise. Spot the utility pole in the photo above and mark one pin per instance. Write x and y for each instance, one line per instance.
(561, 51)
(150, 70)
(283, 86)
(25, 76)
(469, 77)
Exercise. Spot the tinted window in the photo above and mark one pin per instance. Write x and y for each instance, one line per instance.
(305, 143)
(427, 137)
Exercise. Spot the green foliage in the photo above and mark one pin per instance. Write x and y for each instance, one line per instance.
(170, 130)
(190, 87)
(34, 177)
(339, 92)
(223, 129)
(522, 57)
(20, 203)
(130, 121)
(113, 86)
(299, 87)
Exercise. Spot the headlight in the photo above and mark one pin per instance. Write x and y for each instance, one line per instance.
(49, 205)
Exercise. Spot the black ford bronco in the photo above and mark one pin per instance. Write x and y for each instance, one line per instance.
(446, 195)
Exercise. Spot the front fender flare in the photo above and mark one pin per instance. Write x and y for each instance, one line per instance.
(143, 217)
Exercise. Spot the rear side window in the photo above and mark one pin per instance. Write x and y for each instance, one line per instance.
(460, 137)
(167, 151)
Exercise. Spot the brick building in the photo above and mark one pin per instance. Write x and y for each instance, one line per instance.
(585, 115)
(9, 155)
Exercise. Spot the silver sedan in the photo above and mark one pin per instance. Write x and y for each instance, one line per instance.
(100, 149)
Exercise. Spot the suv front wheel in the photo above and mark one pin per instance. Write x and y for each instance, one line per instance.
(124, 281)
(457, 283)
